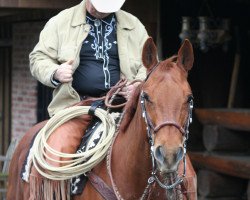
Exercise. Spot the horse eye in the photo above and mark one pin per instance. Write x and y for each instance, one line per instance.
(146, 96)
(190, 98)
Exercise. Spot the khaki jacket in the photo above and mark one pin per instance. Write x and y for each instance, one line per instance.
(62, 39)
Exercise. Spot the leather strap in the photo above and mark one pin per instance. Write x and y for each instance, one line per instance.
(94, 106)
(101, 187)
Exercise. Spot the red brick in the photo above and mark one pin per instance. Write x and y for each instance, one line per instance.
(24, 93)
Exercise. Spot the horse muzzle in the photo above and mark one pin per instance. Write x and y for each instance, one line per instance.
(168, 159)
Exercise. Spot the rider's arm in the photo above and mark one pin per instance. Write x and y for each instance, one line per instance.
(43, 58)
(141, 74)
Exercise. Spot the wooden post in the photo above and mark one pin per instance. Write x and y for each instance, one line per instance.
(248, 190)
(234, 78)
(219, 198)
(5, 80)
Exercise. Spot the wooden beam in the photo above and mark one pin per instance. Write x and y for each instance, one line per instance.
(217, 138)
(55, 4)
(10, 15)
(212, 184)
(238, 166)
(9, 3)
(237, 119)
(8, 12)
(5, 42)
(218, 198)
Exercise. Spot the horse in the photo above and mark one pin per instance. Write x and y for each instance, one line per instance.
(147, 158)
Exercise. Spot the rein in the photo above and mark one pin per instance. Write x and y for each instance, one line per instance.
(115, 90)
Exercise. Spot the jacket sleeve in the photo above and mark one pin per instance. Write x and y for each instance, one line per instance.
(43, 58)
(141, 74)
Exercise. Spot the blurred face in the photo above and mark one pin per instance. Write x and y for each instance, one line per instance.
(91, 9)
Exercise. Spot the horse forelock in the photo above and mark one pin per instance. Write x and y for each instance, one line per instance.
(172, 58)
(170, 65)
(130, 109)
(167, 64)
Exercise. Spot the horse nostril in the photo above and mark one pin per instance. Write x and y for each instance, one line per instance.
(159, 154)
(179, 154)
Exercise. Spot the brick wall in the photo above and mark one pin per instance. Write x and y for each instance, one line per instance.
(24, 86)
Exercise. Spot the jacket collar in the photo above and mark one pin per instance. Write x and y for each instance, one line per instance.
(124, 21)
(79, 17)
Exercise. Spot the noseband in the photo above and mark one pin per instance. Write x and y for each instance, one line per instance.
(151, 129)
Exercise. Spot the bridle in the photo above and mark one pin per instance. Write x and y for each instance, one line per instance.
(151, 130)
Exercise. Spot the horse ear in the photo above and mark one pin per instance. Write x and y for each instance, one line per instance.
(186, 56)
(149, 54)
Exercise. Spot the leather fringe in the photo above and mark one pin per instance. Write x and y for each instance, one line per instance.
(45, 189)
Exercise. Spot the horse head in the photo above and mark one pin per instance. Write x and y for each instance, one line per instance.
(166, 101)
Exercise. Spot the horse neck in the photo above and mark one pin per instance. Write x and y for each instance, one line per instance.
(131, 160)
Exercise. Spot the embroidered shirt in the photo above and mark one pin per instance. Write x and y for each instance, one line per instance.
(99, 62)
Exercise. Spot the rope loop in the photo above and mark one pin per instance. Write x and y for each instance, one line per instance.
(80, 163)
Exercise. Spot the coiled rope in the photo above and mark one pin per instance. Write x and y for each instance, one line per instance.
(79, 163)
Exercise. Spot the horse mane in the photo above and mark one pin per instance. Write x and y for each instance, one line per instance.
(130, 108)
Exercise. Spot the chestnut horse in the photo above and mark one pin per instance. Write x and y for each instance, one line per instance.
(148, 158)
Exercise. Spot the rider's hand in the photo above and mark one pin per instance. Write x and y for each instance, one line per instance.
(64, 73)
(128, 90)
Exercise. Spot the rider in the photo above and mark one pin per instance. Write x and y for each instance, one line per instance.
(84, 51)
